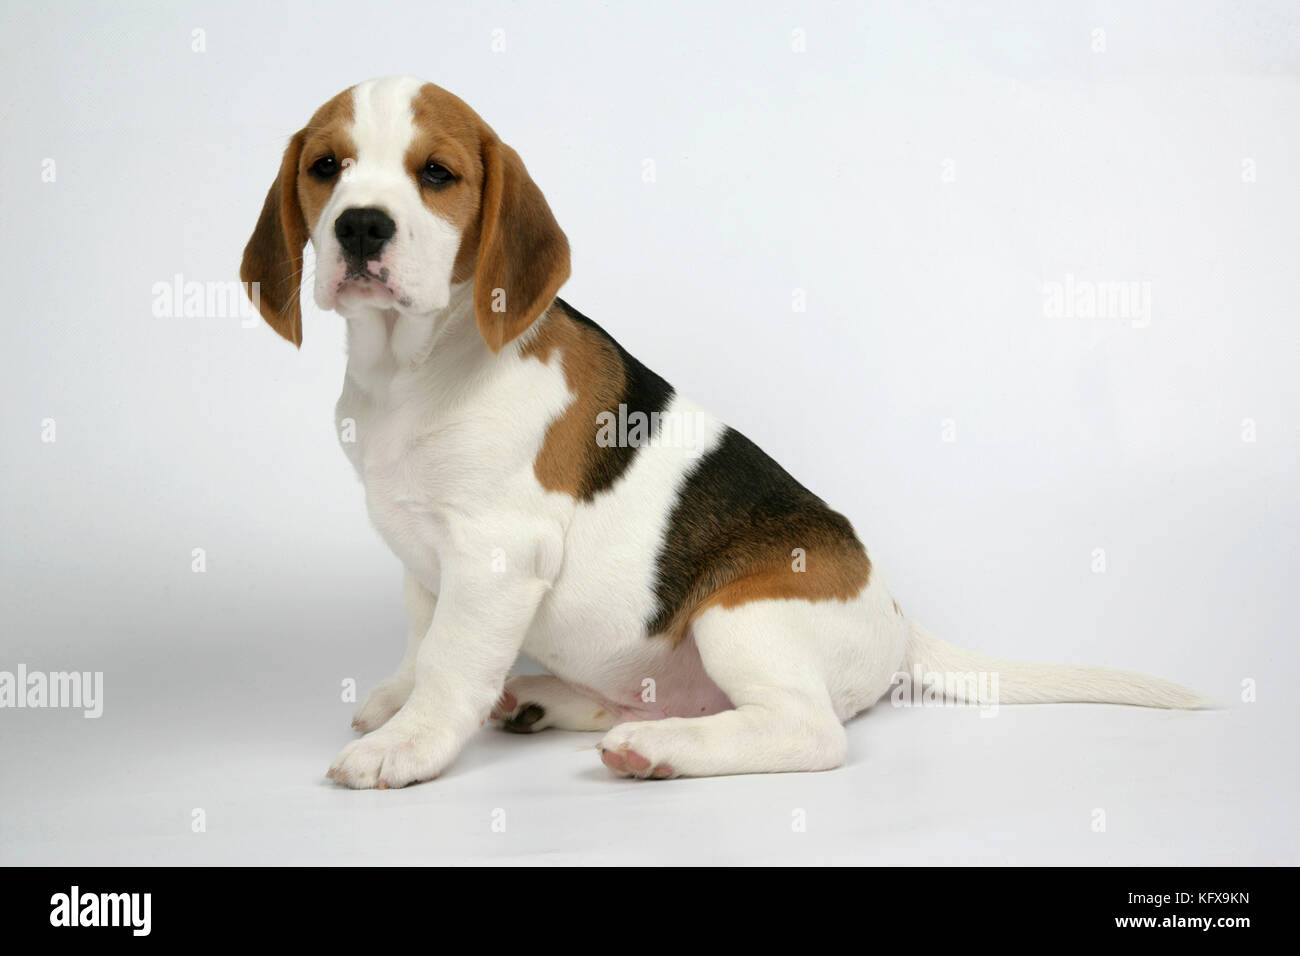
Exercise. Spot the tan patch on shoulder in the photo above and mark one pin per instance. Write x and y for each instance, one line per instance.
(594, 372)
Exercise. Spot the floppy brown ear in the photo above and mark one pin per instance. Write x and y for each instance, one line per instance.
(272, 266)
(523, 255)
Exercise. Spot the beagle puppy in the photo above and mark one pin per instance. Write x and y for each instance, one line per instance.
(548, 493)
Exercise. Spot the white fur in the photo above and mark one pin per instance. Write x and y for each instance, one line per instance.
(446, 435)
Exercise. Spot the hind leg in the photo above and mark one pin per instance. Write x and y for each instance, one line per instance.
(765, 657)
(534, 702)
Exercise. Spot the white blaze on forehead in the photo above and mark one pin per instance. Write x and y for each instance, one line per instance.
(383, 128)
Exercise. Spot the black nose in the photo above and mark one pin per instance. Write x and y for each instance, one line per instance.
(362, 232)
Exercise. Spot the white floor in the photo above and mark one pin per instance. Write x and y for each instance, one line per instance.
(200, 728)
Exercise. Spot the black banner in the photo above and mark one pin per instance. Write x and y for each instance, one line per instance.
(331, 905)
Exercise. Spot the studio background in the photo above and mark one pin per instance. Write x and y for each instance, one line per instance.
(836, 225)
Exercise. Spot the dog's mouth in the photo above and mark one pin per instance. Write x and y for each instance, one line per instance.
(369, 281)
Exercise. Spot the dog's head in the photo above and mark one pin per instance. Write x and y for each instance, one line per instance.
(403, 190)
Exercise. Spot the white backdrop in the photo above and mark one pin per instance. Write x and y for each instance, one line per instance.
(839, 226)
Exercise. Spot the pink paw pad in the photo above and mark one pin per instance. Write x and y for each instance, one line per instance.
(630, 762)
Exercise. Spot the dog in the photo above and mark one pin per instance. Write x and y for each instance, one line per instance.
(547, 493)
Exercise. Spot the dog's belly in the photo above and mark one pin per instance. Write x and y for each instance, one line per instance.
(634, 676)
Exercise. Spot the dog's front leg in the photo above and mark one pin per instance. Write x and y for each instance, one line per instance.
(387, 699)
(477, 630)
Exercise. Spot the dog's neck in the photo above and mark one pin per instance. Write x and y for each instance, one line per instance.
(391, 352)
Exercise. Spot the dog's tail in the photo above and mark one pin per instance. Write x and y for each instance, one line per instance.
(1011, 682)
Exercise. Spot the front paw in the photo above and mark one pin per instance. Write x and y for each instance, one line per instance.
(384, 701)
(389, 757)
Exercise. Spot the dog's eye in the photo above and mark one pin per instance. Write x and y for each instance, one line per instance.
(325, 167)
(436, 174)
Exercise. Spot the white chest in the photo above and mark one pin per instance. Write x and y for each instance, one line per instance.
(447, 459)
(404, 486)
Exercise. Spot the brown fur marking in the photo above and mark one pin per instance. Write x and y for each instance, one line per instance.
(731, 537)
(593, 372)
(273, 256)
